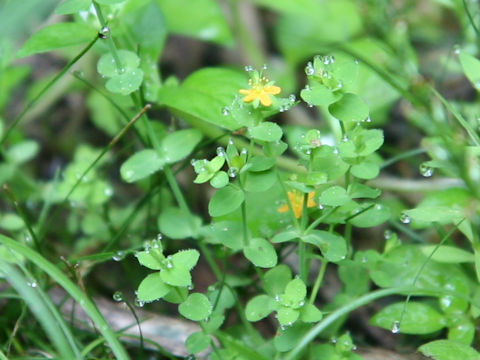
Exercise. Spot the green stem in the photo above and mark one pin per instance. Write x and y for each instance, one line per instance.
(210, 260)
(319, 220)
(110, 42)
(355, 304)
(45, 89)
(318, 281)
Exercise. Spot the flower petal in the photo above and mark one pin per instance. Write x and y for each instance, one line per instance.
(265, 99)
(272, 90)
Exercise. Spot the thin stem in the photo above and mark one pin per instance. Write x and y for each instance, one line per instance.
(318, 281)
(319, 220)
(45, 89)
(110, 42)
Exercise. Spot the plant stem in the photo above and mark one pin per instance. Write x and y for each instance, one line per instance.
(110, 42)
(318, 281)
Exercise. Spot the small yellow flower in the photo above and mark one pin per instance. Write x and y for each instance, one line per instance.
(260, 89)
(296, 202)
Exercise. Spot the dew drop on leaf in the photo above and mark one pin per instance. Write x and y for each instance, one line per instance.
(404, 218)
(117, 296)
(426, 170)
(396, 327)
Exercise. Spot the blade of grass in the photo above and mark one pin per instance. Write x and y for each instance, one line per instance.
(355, 304)
(45, 89)
(37, 302)
(464, 123)
(74, 291)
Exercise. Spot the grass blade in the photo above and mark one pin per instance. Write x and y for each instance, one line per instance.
(74, 291)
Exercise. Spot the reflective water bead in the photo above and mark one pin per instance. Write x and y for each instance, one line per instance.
(139, 303)
(225, 111)
(309, 69)
(426, 170)
(292, 98)
(387, 234)
(248, 68)
(220, 151)
(404, 218)
(104, 32)
(232, 172)
(396, 327)
(119, 255)
(117, 296)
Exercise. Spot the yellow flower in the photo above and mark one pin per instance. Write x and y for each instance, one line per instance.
(260, 89)
(296, 202)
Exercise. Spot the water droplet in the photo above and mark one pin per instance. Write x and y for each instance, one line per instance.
(264, 67)
(139, 303)
(345, 138)
(230, 141)
(104, 32)
(378, 207)
(334, 340)
(193, 161)
(277, 297)
(117, 296)
(301, 303)
(309, 69)
(335, 151)
(248, 68)
(426, 170)
(169, 265)
(321, 207)
(457, 50)
(232, 172)
(159, 237)
(226, 111)
(396, 327)
(119, 255)
(387, 234)
(32, 284)
(356, 61)
(190, 287)
(108, 191)
(404, 218)
(292, 98)
(244, 151)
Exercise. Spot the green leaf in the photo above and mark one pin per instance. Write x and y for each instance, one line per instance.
(179, 144)
(197, 342)
(22, 152)
(357, 190)
(186, 259)
(259, 181)
(471, 68)
(266, 131)
(310, 313)
(225, 201)
(261, 253)
(260, 163)
(11, 222)
(334, 196)
(332, 246)
(152, 288)
(220, 180)
(368, 141)
(259, 307)
(228, 233)
(366, 170)
(140, 165)
(202, 19)
(285, 236)
(197, 307)
(72, 6)
(175, 224)
(109, 2)
(57, 36)
(294, 295)
(107, 65)
(276, 279)
(439, 213)
(125, 83)
(148, 260)
(289, 337)
(349, 108)
(287, 316)
(319, 95)
(176, 276)
(202, 96)
(374, 216)
(448, 350)
(418, 318)
(463, 331)
(448, 254)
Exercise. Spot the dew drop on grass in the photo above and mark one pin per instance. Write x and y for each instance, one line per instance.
(32, 284)
(220, 151)
(117, 296)
(396, 327)
(232, 172)
(425, 170)
(119, 255)
(404, 218)
(387, 234)
(309, 69)
(225, 111)
(104, 32)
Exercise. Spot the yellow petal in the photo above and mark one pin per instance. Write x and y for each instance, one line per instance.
(265, 99)
(310, 201)
(244, 91)
(272, 90)
(283, 209)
